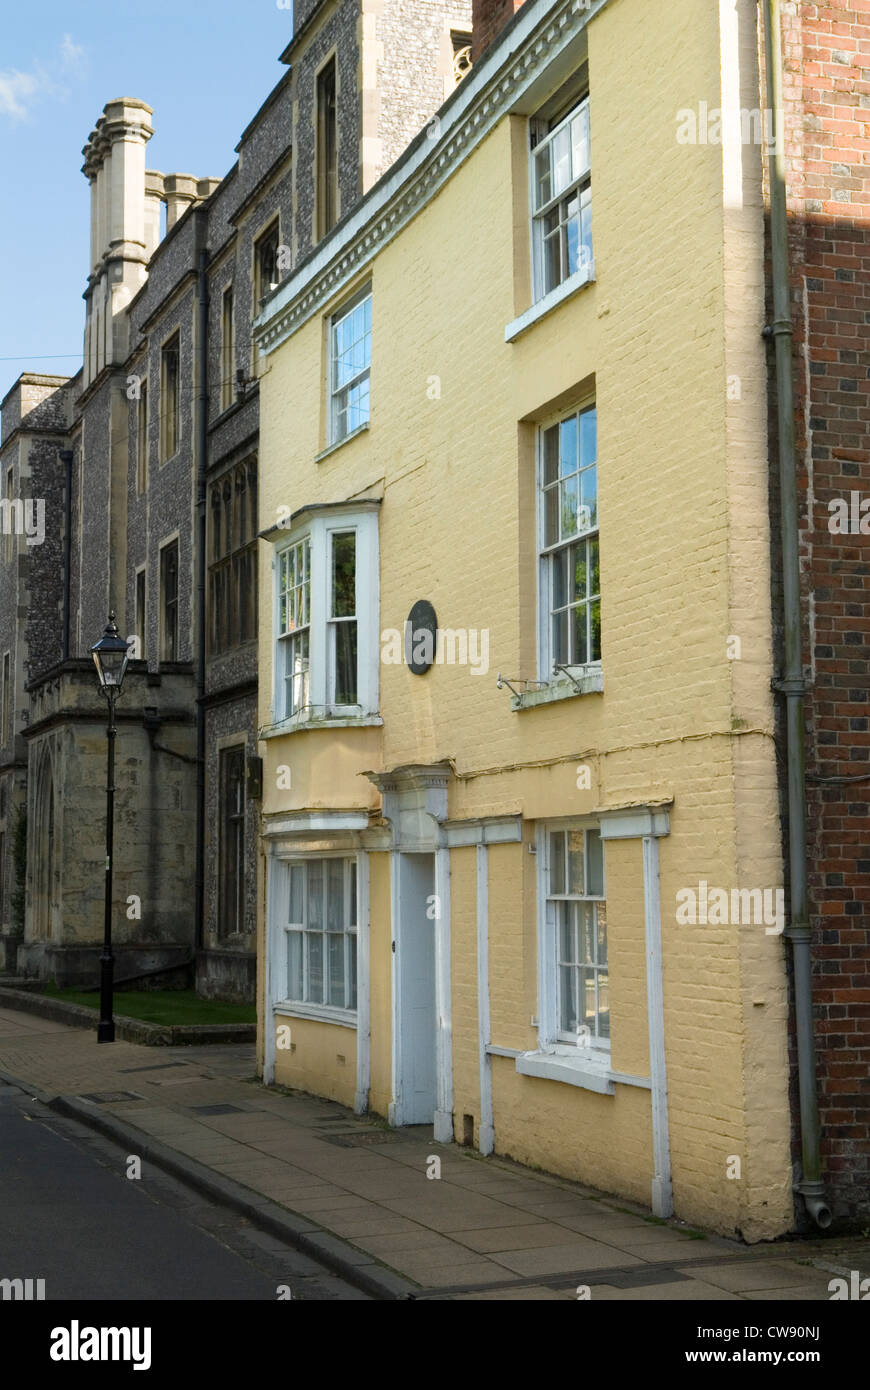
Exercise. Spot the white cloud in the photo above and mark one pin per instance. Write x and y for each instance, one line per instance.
(71, 54)
(15, 89)
(19, 91)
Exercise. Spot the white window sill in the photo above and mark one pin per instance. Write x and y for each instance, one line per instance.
(590, 680)
(337, 443)
(318, 1013)
(584, 1067)
(298, 724)
(549, 302)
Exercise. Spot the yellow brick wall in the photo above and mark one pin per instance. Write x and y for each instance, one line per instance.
(684, 557)
(322, 1059)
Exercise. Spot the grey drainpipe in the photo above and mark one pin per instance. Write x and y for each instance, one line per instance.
(792, 686)
(66, 458)
(201, 458)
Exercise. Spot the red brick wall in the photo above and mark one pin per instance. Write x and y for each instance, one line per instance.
(827, 90)
(488, 18)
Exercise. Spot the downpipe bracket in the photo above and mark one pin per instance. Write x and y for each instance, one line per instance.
(779, 328)
(790, 685)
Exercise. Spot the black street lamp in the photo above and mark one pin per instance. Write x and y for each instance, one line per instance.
(110, 658)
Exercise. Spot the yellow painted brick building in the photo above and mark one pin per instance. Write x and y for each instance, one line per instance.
(517, 402)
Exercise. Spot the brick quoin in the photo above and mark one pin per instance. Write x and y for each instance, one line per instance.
(826, 49)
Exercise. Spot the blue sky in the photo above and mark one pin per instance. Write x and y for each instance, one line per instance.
(59, 65)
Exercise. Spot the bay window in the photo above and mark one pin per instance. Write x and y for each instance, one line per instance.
(326, 615)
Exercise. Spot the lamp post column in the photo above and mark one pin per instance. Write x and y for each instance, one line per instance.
(106, 1028)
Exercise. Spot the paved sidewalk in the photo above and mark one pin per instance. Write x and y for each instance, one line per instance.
(487, 1229)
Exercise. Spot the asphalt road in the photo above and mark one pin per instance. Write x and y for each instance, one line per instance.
(69, 1215)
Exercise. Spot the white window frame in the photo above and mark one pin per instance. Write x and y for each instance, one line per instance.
(320, 531)
(287, 639)
(540, 138)
(349, 307)
(283, 1003)
(550, 1038)
(546, 670)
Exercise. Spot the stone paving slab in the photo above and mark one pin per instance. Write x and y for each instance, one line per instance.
(487, 1230)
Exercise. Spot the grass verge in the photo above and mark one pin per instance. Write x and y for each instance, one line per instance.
(169, 1007)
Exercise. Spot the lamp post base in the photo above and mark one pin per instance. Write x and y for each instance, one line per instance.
(106, 1025)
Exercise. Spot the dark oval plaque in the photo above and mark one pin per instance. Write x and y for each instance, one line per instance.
(421, 637)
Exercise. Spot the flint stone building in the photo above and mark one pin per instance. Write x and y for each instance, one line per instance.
(146, 462)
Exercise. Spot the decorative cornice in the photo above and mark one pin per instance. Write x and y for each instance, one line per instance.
(419, 776)
(484, 97)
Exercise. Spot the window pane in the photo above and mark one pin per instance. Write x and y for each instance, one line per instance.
(562, 593)
(589, 499)
(567, 999)
(580, 142)
(588, 436)
(576, 875)
(336, 970)
(551, 516)
(297, 882)
(353, 920)
(551, 454)
(587, 932)
(344, 575)
(568, 437)
(567, 934)
(314, 944)
(594, 569)
(358, 404)
(594, 863)
(296, 672)
(352, 344)
(552, 251)
(586, 1000)
(557, 861)
(603, 1004)
(580, 655)
(315, 895)
(595, 630)
(543, 182)
(569, 492)
(561, 653)
(345, 663)
(294, 965)
(579, 576)
(601, 928)
(573, 237)
(335, 895)
(561, 147)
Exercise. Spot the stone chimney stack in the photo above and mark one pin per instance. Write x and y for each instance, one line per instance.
(181, 191)
(115, 168)
(155, 197)
(488, 18)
